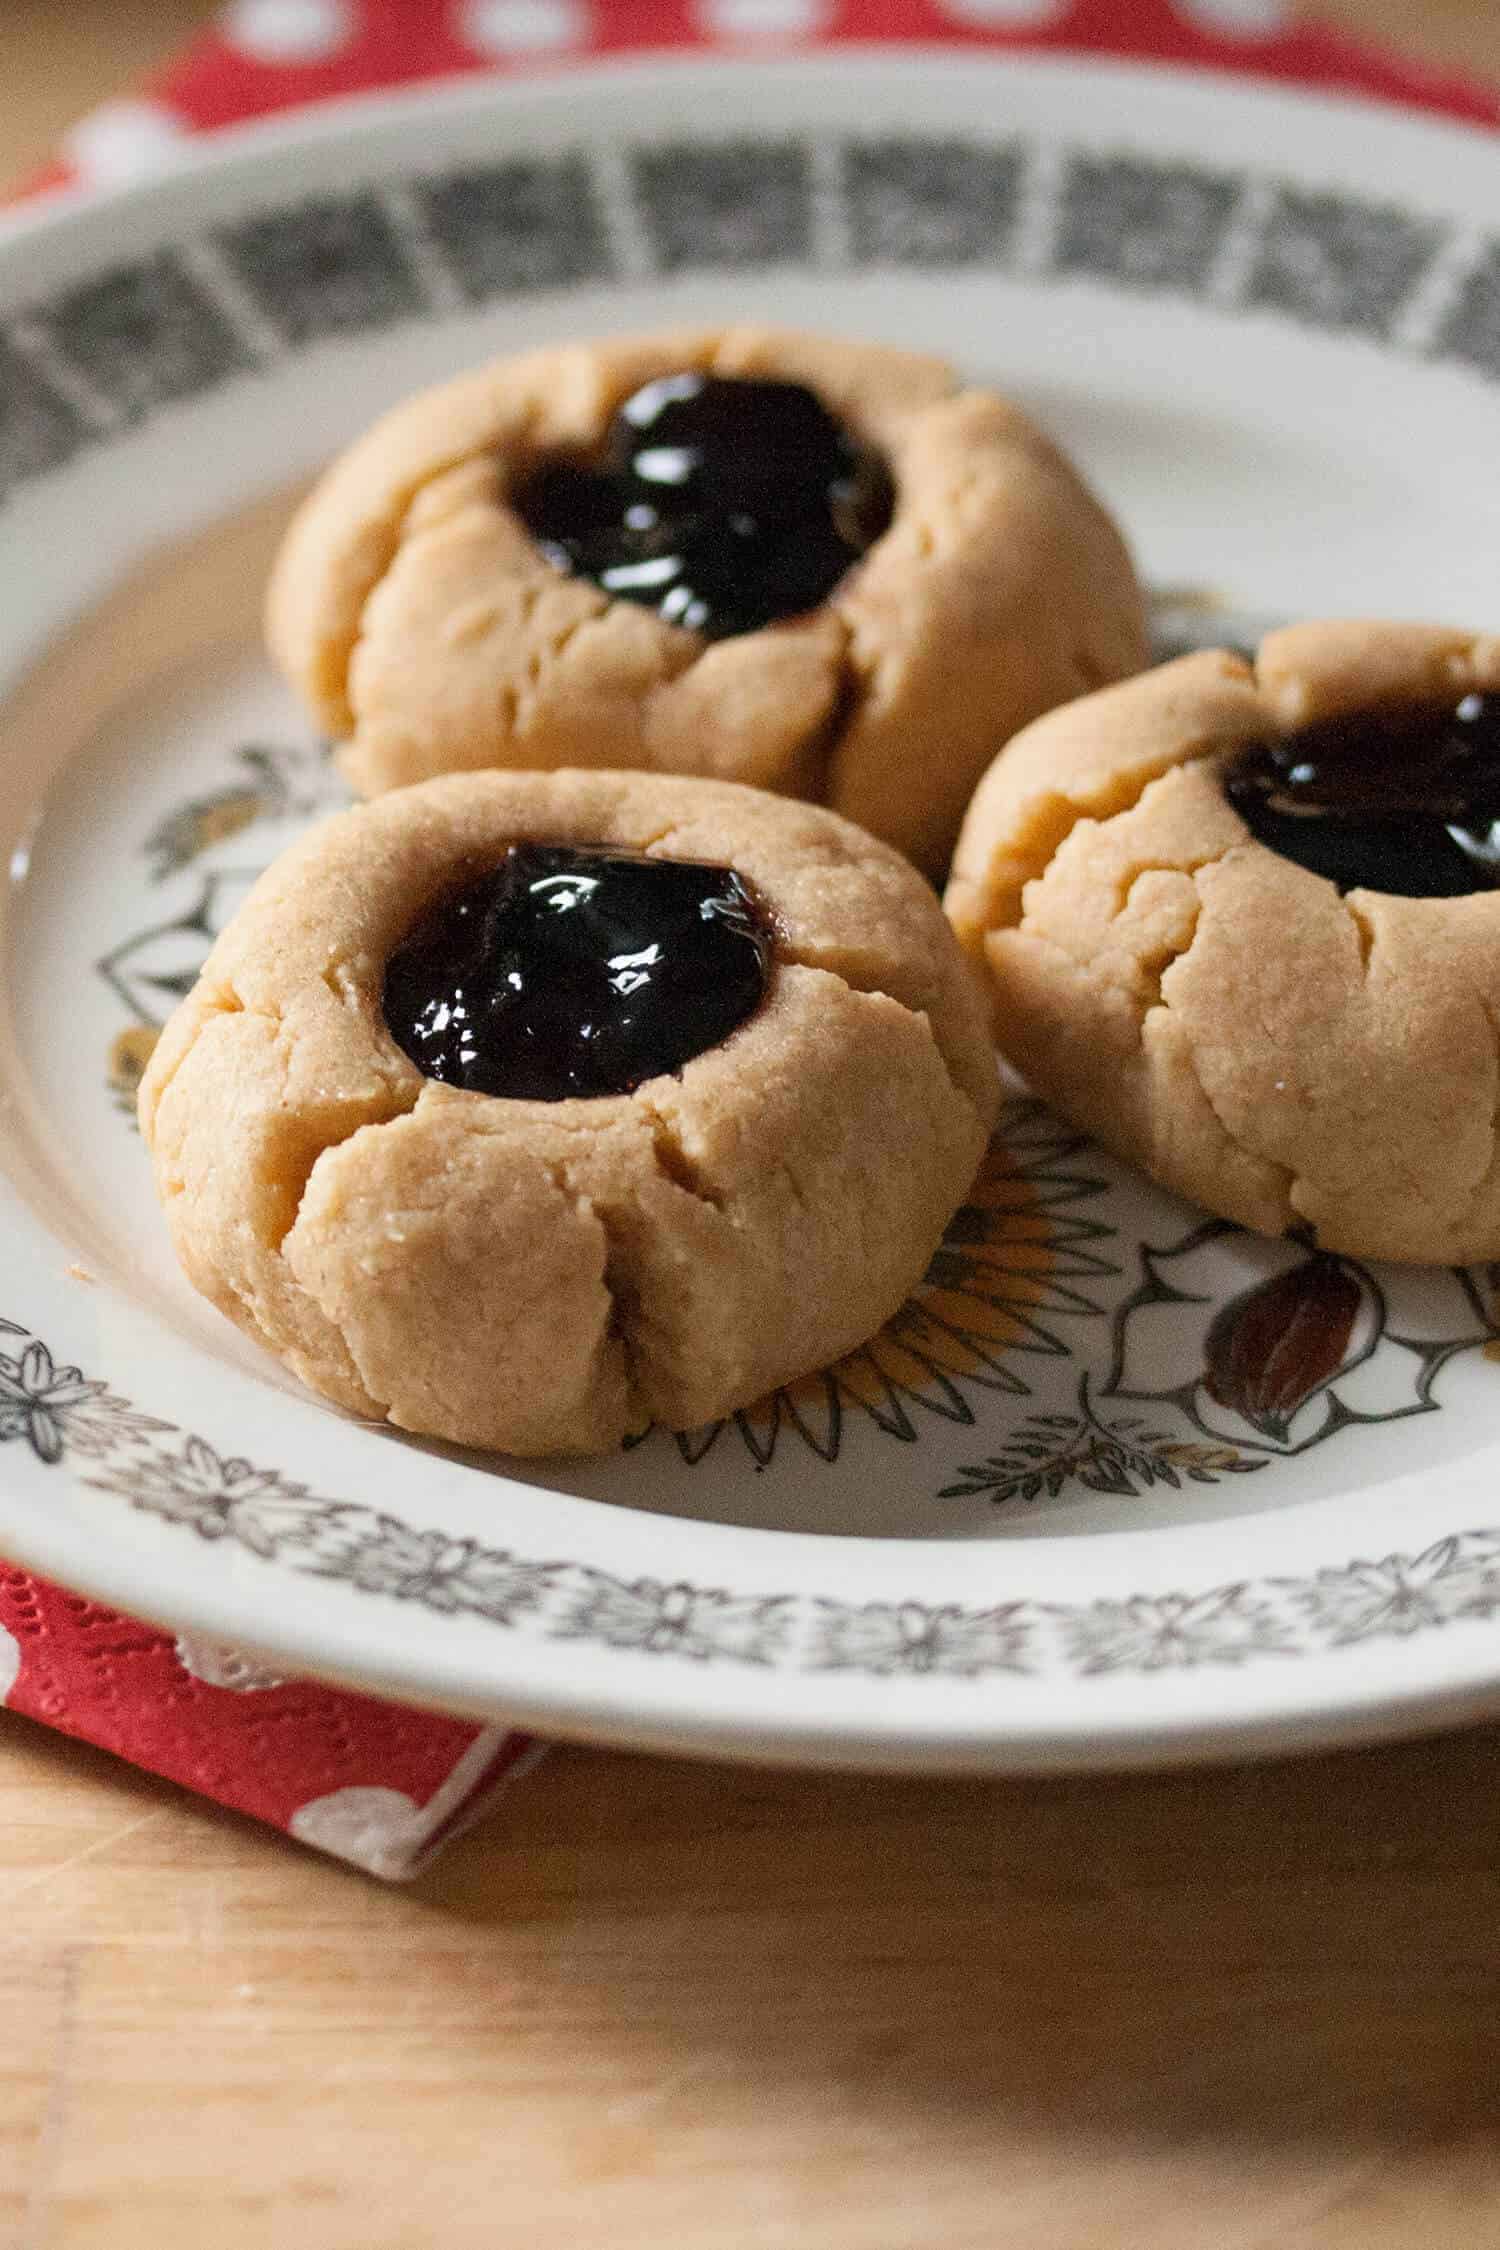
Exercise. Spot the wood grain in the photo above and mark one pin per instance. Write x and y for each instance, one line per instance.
(651, 2003)
(59, 57)
(1460, 35)
(657, 2003)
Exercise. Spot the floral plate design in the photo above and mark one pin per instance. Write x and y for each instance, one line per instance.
(1118, 1482)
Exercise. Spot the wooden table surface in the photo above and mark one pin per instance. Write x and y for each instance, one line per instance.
(653, 2003)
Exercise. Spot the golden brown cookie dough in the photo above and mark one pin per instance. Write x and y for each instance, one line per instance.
(428, 633)
(1285, 1055)
(545, 1276)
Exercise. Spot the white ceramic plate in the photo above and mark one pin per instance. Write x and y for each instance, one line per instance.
(1119, 1484)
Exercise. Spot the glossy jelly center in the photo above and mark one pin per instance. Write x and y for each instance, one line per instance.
(565, 973)
(1405, 800)
(720, 502)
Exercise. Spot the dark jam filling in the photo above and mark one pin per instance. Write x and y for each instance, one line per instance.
(720, 502)
(1404, 800)
(564, 973)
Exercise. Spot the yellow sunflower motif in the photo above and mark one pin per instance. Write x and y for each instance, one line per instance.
(1018, 1257)
(129, 1053)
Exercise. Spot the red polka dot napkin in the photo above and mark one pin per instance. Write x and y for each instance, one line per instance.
(378, 1785)
(266, 55)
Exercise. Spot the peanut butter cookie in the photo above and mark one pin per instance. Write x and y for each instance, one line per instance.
(1242, 924)
(815, 566)
(522, 1109)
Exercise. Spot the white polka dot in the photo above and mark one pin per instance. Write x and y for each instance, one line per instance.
(288, 31)
(746, 20)
(124, 140)
(376, 1828)
(10, 1662)
(522, 27)
(1002, 15)
(219, 1666)
(1240, 19)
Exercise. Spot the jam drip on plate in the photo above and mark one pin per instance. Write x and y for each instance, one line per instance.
(1405, 800)
(566, 973)
(720, 502)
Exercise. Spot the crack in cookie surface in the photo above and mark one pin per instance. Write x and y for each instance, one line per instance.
(1090, 761)
(1154, 963)
(243, 1186)
(435, 1244)
(672, 1159)
(1058, 818)
(874, 979)
(1485, 1187)
(1275, 1206)
(1365, 932)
